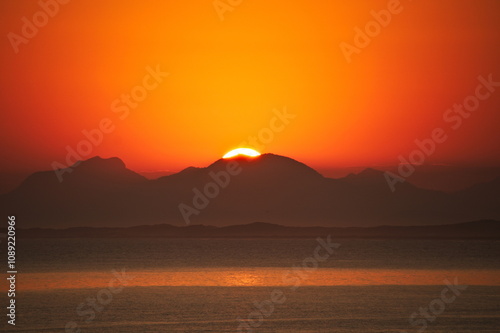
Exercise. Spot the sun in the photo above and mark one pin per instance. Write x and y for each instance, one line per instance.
(242, 151)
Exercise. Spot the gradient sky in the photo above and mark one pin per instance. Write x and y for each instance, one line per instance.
(226, 78)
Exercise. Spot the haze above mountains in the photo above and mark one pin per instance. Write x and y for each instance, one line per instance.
(270, 188)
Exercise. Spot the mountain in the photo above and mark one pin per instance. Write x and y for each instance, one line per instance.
(90, 192)
(487, 229)
(269, 188)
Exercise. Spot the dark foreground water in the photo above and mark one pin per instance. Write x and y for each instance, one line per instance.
(164, 285)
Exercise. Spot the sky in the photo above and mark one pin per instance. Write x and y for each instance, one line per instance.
(169, 84)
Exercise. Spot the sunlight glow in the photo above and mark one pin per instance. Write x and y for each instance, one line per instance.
(242, 151)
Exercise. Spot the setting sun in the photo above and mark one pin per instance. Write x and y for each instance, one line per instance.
(357, 191)
(242, 151)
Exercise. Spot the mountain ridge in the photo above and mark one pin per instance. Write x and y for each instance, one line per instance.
(270, 188)
(486, 229)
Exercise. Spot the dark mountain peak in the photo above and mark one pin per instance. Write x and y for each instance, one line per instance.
(265, 170)
(469, 230)
(270, 188)
(492, 185)
(368, 173)
(270, 165)
(376, 180)
(182, 176)
(262, 225)
(95, 171)
(98, 163)
(189, 170)
(101, 169)
(255, 227)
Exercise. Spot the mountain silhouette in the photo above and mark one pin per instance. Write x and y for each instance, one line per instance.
(487, 229)
(269, 188)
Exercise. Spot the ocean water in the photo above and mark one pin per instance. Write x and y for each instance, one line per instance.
(255, 285)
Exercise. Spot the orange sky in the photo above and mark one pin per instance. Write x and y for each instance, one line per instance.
(226, 78)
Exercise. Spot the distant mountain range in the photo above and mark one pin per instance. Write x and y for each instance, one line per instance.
(270, 188)
(468, 230)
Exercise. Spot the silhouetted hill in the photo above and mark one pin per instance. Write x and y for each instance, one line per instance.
(270, 188)
(93, 174)
(95, 190)
(450, 178)
(487, 229)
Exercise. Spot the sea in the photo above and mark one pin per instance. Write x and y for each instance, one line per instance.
(254, 285)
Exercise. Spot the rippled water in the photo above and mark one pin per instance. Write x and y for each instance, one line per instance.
(214, 285)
